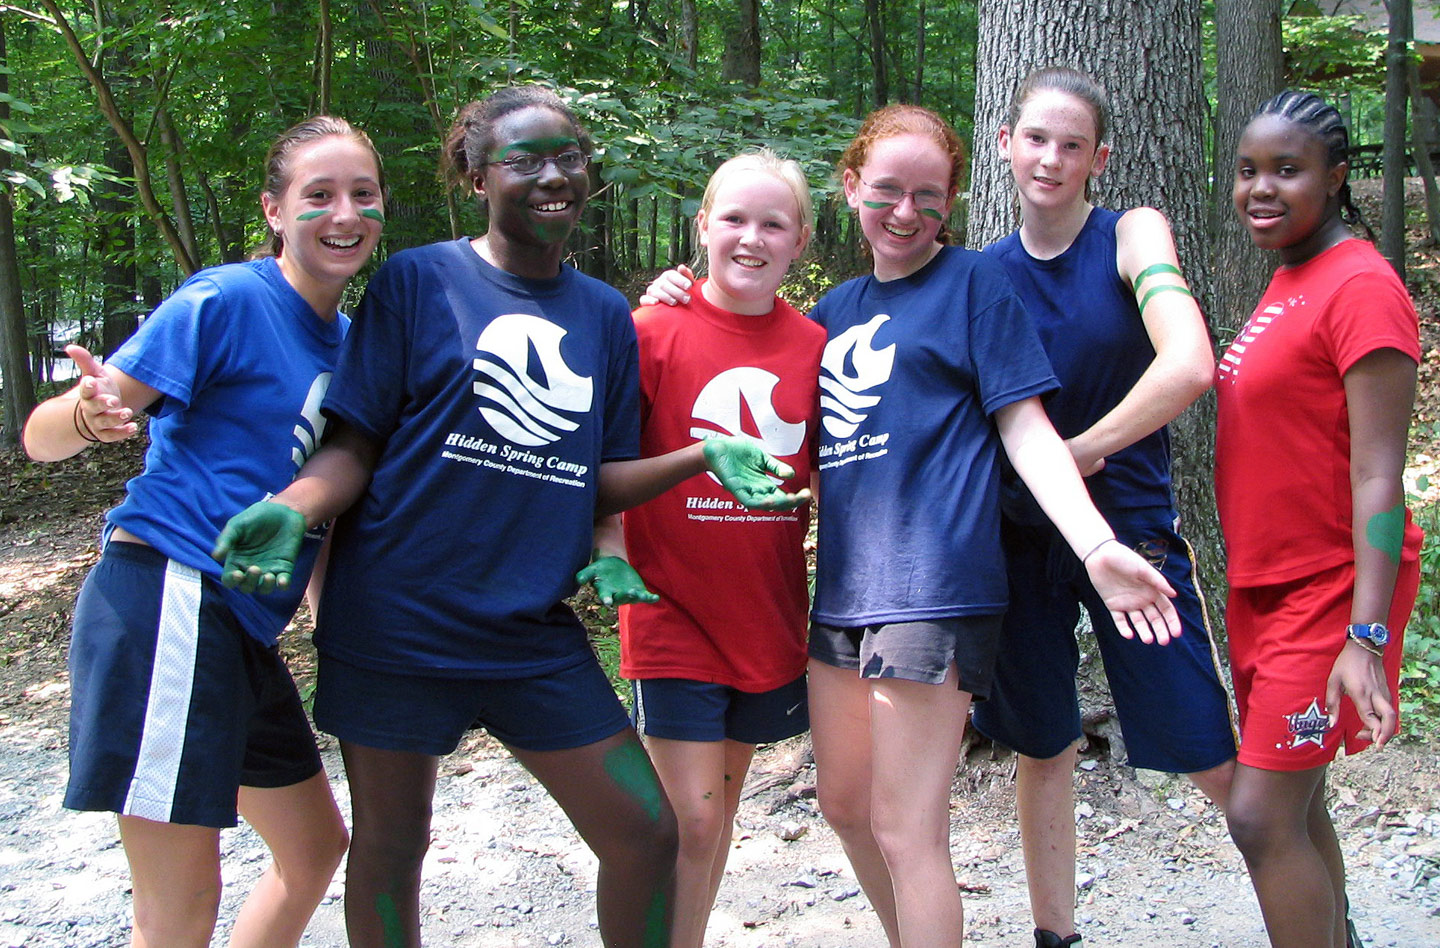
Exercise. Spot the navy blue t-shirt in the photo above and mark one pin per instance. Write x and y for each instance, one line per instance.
(909, 522)
(496, 398)
(1090, 325)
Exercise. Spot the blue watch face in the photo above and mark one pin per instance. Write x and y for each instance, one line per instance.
(1373, 631)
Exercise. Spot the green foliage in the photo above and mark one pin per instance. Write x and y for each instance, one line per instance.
(1331, 55)
(1420, 665)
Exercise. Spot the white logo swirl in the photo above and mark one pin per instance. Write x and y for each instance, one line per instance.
(525, 384)
(841, 401)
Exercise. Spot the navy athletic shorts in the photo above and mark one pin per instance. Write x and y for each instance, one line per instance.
(679, 709)
(174, 707)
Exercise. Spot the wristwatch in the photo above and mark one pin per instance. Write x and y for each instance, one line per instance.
(1372, 636)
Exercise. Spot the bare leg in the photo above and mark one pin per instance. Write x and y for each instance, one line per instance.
(1045, 805)
(390, 798)
(1215, 783)
(175, 878)
(840, 734)
(307, 838)
(611, 793)
(701, 778)
(915, 732)
(1274, 821)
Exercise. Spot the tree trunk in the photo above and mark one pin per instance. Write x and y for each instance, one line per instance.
(115, 241)
(1156, 90)
(18, 383)
(742, 45)
(880, 79)
(919, 53)
(1392, 221)
(1422, 122)
(324, 56)
(175, 177)
(690, 33)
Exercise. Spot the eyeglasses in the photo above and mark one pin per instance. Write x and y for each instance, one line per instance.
(925, 199)
(570, 162)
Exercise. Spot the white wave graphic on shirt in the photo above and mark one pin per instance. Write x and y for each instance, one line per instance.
(529, 395)
(726, 400)
(312, 423)
(851, 366)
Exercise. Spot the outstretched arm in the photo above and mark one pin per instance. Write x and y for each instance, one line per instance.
(1136, 594)
(743, 468)
(100, 409)
(258, 546)
(1379, 394)
(616, 582)
(1184, 364)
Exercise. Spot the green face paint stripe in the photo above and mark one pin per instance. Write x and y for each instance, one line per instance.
(373, 214)
(657, 923)
(1169, 287)
(1154, 269)
(931, 212)
(628, 766)
(1386, 531)
(878, 205)
(539, 144)
(392, 931)
(311, 215)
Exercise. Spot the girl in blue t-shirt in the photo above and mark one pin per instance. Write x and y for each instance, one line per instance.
(182, 711)
(932, 368)
(486, 411)
(1131, 351)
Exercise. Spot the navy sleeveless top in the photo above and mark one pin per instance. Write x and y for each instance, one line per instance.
(1090, 326)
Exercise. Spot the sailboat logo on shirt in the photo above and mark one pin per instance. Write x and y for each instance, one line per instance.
(739, 401)
(851, 366)
(312, 423)
(528, 394)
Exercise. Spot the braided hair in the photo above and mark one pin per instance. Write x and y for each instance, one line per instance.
(1324, 122)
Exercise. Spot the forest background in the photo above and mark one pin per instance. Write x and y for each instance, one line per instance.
(132, 136)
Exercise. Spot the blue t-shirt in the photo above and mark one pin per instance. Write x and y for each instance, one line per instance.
(241, 362)
(1090, 325)
(495, 399)
(913, 370)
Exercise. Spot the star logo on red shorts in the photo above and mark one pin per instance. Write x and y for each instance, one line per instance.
(1309, 726)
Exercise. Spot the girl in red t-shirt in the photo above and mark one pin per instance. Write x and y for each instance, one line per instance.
(1315, 397)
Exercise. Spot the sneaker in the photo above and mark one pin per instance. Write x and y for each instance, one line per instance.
(1048, 939)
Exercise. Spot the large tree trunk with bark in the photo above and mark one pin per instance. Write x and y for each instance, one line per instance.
(742, 45)
(1148, 57)
(18, 383)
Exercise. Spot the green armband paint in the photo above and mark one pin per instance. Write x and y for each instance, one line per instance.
(1174, 287)
(628, 766)
(311, 215)
(373, 214)
(1386, 531)
(1154, 269)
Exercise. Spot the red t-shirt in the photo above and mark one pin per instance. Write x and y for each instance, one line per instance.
(1282, 442)
(733, 589)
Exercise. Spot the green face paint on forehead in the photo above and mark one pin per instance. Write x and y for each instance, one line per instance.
(1386, 531)
(311, 215)
(628, 766)
(536, 145)
(373, 214)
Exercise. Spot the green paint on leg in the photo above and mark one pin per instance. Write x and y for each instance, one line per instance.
(373, 214)
(392, 931)
(1386, 531)
(628, 766)
(311, 215)
(657, 922)
(878, 205)
(931, 212)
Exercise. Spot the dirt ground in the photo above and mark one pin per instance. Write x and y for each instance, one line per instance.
(505, 869)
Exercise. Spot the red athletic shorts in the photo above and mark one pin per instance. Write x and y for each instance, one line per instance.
(1284, 639)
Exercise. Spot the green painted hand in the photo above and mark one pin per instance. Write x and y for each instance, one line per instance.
(258, 547)
(616, 582)
(749, 473)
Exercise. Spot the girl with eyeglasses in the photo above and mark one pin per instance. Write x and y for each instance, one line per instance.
(485, 409)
